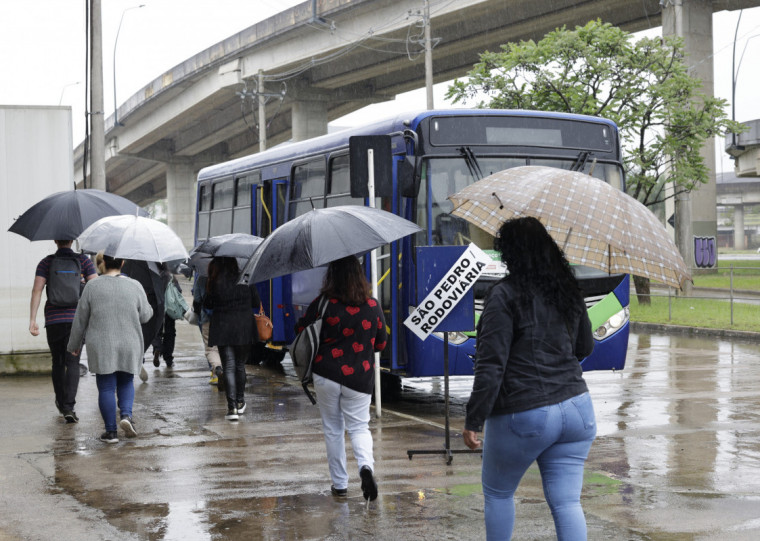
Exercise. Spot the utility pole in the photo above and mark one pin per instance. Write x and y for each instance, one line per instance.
(682, 204)
(262, 113)
(97, 120)
(428, 58)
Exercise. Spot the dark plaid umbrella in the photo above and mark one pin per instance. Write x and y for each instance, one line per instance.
(64, 215)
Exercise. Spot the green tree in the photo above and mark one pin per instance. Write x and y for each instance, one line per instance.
(644, 86)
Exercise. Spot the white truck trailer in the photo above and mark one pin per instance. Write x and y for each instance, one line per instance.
(36, 160)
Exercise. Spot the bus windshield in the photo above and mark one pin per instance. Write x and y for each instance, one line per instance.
(446, 176)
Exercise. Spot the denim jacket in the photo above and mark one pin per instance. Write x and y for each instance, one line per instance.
(199, 291)
(527, 356)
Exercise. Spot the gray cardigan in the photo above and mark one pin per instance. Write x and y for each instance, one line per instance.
(110, 313)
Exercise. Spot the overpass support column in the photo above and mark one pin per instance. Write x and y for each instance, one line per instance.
(180, 200)
(309, 119)
(692, 20)
(739, 243)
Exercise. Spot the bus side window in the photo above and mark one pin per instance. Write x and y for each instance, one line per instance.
(339, 192)
(308, 187)
(241, 216)
(204, 206)
(221, 205)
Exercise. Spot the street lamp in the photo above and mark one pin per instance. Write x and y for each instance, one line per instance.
(63, 89)
(115, 42)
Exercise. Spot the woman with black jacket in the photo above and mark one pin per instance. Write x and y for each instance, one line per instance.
(529, 394)
(232, 327)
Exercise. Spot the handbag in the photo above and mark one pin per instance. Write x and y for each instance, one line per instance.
(264, 325)
(304, 349)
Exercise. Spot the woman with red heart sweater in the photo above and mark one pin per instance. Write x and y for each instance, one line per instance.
(353, 328)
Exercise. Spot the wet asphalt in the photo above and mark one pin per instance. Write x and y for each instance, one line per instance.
(677, 457)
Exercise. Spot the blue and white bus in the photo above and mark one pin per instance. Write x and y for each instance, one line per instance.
(434, 154)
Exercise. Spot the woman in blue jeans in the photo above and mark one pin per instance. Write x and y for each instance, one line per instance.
(529, 395)
(111, 312)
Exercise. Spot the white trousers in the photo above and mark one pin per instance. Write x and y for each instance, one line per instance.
(344, 409)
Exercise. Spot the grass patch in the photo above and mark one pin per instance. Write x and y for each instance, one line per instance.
(691, 312)
(746, 275)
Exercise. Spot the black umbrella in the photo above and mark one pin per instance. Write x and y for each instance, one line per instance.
(238, 245)
(200, 261)
(321, 236)
(229, 245)
(64, 215)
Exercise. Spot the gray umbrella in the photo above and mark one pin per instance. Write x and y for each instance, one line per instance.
(229, 245)
(64, 215)
(133, 237)
(238, 245)
(321, 236)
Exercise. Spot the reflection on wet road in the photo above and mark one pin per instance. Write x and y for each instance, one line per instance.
(677, 458)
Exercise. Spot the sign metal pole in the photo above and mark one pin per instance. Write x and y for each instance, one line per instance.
(373, 272)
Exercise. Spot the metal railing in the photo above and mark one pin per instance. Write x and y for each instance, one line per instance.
(730, 294)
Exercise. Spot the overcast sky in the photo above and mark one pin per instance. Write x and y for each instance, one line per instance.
(43, 50)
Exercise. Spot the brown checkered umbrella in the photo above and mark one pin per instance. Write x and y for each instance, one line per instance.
(594, 224)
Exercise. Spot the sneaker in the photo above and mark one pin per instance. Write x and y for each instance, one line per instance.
(369, 486)
(232, 414)
(214, 379)
(169, 363)
(241, 407)
(143, 373)
(156, 359)
(70, 417)
(109, 437)
(128, 426)
(340, 492)
(220, 378)
(58, 407)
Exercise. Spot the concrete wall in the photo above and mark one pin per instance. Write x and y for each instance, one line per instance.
(36, 160)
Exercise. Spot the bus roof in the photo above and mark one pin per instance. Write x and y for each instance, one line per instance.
(290, 151)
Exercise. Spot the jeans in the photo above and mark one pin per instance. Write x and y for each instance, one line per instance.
(558, 438)
(65, 366)
(344, 409)
(123, 384)
(233, 364)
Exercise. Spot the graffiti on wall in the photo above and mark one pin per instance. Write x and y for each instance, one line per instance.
(705, 252)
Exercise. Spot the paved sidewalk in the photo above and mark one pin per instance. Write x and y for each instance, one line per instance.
(665, 464)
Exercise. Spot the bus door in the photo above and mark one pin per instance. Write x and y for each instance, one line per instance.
(391, 286)
(270, 212)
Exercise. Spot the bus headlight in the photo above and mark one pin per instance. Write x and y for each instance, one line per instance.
(455, 338)
(612, 325)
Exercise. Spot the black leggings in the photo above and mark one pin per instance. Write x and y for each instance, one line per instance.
(65, 366)
(233, 364)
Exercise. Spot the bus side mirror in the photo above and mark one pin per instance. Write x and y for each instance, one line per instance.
(359, 165)
(408, 178)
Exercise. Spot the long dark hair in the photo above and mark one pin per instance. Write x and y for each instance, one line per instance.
(221, 268)
(346, 282)
(537, 265)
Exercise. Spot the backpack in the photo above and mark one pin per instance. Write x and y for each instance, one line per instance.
(175, 303)
(304, 349)
(64, 284)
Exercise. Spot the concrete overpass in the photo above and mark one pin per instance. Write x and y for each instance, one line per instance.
(318, 62)
(742, 188)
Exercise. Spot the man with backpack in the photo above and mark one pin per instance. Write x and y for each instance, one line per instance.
(64, 273)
